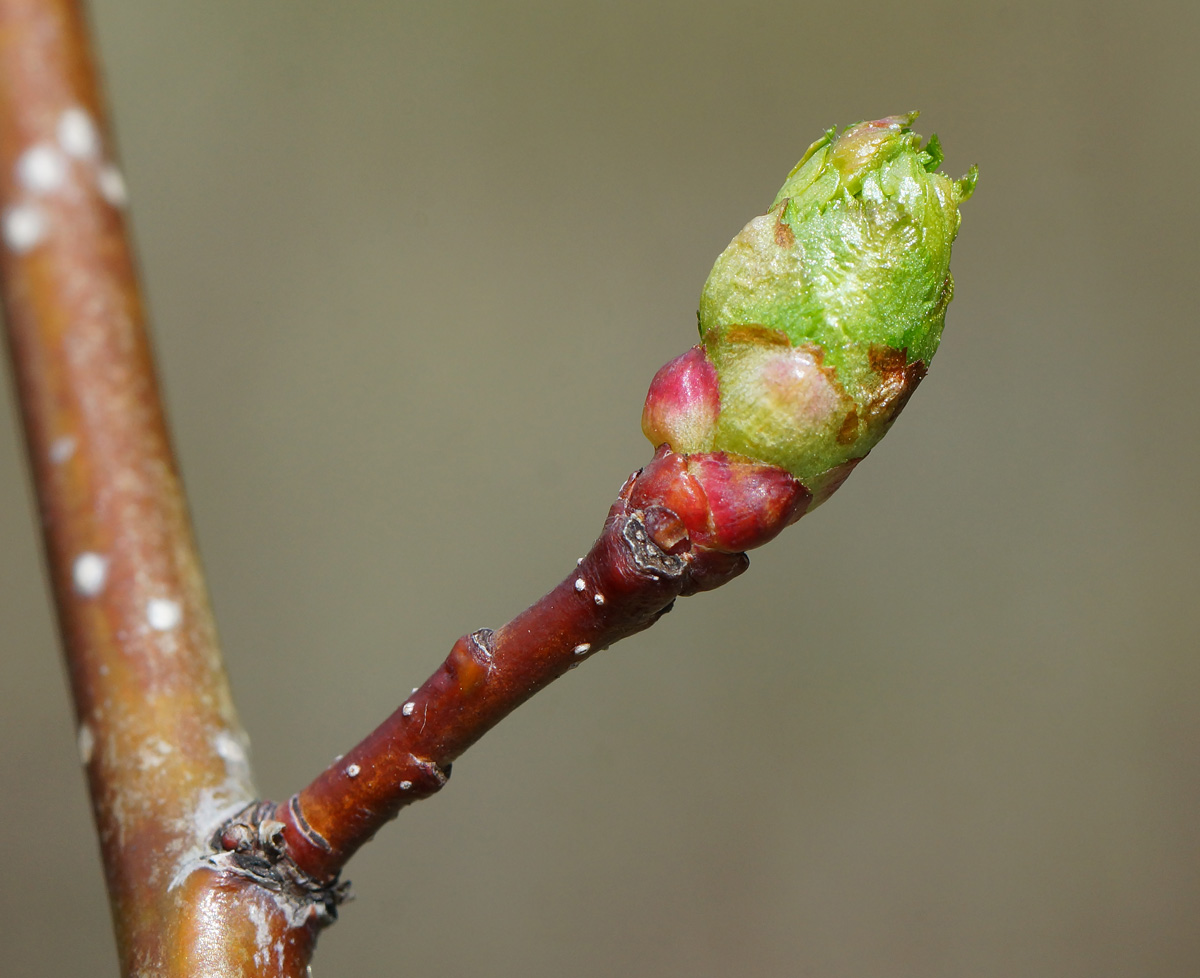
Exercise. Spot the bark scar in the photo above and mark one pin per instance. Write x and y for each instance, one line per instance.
(307, 830)
(251, 844)
(647, 555)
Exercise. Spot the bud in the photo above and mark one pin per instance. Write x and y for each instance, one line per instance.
(816, 323)
(821, 317)
(681, 407)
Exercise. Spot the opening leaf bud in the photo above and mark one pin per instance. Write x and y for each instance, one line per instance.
(821, 317)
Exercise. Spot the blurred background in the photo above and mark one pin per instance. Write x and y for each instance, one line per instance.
(412, 266)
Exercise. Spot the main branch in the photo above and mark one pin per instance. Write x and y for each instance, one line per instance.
(164, 754)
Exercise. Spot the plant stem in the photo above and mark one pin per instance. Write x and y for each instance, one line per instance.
(164, 753)
(626, 582)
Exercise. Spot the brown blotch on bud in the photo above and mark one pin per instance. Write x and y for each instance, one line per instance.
(848, 433)
(763, 336)
(785, 237)
(897, 380)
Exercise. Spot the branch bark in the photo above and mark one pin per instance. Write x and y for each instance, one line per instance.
(158, 736)
(641, 562)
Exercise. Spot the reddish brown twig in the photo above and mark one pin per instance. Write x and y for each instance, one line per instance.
(164, 754)
(642, 561)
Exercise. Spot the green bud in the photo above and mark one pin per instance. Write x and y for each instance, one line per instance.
(822, 315)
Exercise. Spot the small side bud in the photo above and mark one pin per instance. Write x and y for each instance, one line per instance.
(682, 405)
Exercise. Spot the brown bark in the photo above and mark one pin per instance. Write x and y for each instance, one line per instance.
(642, 561)
(164, 754)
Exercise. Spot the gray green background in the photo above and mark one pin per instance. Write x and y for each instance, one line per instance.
(412, 267)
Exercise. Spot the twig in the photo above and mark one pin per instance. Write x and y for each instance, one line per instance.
(627, 581)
